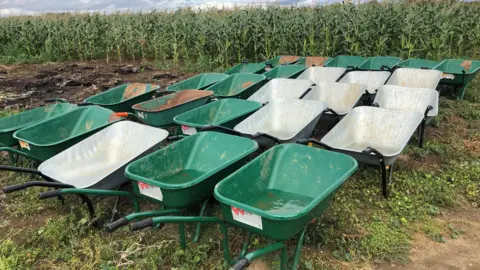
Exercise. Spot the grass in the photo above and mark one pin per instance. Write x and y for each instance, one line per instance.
(359, 228)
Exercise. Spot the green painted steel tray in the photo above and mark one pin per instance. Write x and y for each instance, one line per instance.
(240, 85)
(123, 97)
(199, 82)
(184, 173)
(224, 112)
(463, 72)
(278, 193)
(43, 140)
(287, 71)
(417, 63)
(378, 63)
(12, 123)
(160, 112)
(346, 61)
(256, 68)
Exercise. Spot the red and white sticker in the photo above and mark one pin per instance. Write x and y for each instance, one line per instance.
(24, 145)
(188, 130)
(248, 218)
(150, 191)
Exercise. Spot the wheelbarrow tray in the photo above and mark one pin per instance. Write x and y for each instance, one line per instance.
(12, 123)
(199, 82)
(376, 63)
(373, 79)
(240, 85)
(278, 193)
(255, 68)
(99, 161)
(417, 63)
(346, 61)
(408, 99)
(43, 140)
(281, 88)
(415, 78)
(185, 172)
(313, 61)
(224, 112)
(123, 97)
(340, 97)
(288, 71)
(322, 74)
(286, 119)
(386, 130)
(282, 60)
(161, 111)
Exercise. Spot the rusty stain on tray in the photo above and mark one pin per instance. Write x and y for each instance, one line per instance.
(179, 98)
(467, 64)
(288, 59)
(315, 61)
(113, 117)
(247, 84)
(88, 125)
(135, 89)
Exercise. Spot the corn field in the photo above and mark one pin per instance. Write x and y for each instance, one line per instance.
(219, 38)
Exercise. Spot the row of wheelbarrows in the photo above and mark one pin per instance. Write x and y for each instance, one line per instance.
(86, 149)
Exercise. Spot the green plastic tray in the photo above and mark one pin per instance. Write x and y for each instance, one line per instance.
(240, 85)
(287, 71)
(417, 63)
(457, 67)
(346, 61)
(376, 63)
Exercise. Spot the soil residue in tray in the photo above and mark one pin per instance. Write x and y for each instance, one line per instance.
(135, 89)
(173, 100)
(247, 84)
(467, 64)
(315, 61)
(288, 59)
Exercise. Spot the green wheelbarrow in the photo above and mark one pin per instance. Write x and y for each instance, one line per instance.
(346, 61)
(123, 97)
(277, 195)
(199, 82)
(183, 174)
(379, 63)
(95, 166)
(240, 85)
(160, 112)
(45, 139)
(417, 63)
(458, 72)
(287, 72)
(313, 61)
(224, 112)
(245, 67)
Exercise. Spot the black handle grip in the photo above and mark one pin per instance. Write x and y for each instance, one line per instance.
(81, 104)
(424, 68)
(375, 104)
(370, 150)
(117, 224)
(13, 188)
(241, 264)
(142, 224)
(62, 100)
(50, 194)
(174, 138)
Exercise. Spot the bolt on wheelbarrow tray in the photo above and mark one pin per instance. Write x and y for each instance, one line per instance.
(417, 63)
(346, 61)
(123, 97)
(281, 191)
(160, 111)
(285, 71)
(415, 78)
(462, 71)
(313, 61)
(43, 140)
(95, 165)
(12, 123)
(379, 63)
(199, 82)
(322, 74)
(286, 120)
(281, 88)
(374, 136)
(255, 68)
(224, 112)
(240, 85)
(340, 97)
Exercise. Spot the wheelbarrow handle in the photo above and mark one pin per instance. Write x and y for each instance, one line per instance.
(117, 224)
(131, 116)
(49, 100)
(351, 67)
(387, 68)
(13, 188)
(370, 150)
(82, 104)
(20, 169)
(241, 264)
(334, 113)
(225, 129)
(50, 194)
(319, 143)
(268, 136)
(175, 137)
(142, 224)
(429, 108)
(375, 104)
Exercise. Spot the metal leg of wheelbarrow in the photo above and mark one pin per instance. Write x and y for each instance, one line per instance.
(245, 261)
(117, 199)
(202, 212)
(387, 174)
(298, 248)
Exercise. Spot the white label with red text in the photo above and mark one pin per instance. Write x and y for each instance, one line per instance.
(150, 191)
(24, 145)
(247, 218)
(188, 130)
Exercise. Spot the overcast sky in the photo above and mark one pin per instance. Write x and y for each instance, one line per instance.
(14, 7)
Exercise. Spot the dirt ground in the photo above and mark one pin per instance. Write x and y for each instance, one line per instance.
(27, 86)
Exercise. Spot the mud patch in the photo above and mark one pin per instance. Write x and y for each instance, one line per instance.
(135, 89)
(173, 100)
(467, 64)
(288, 59)
(315, 61)
(247, 84)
